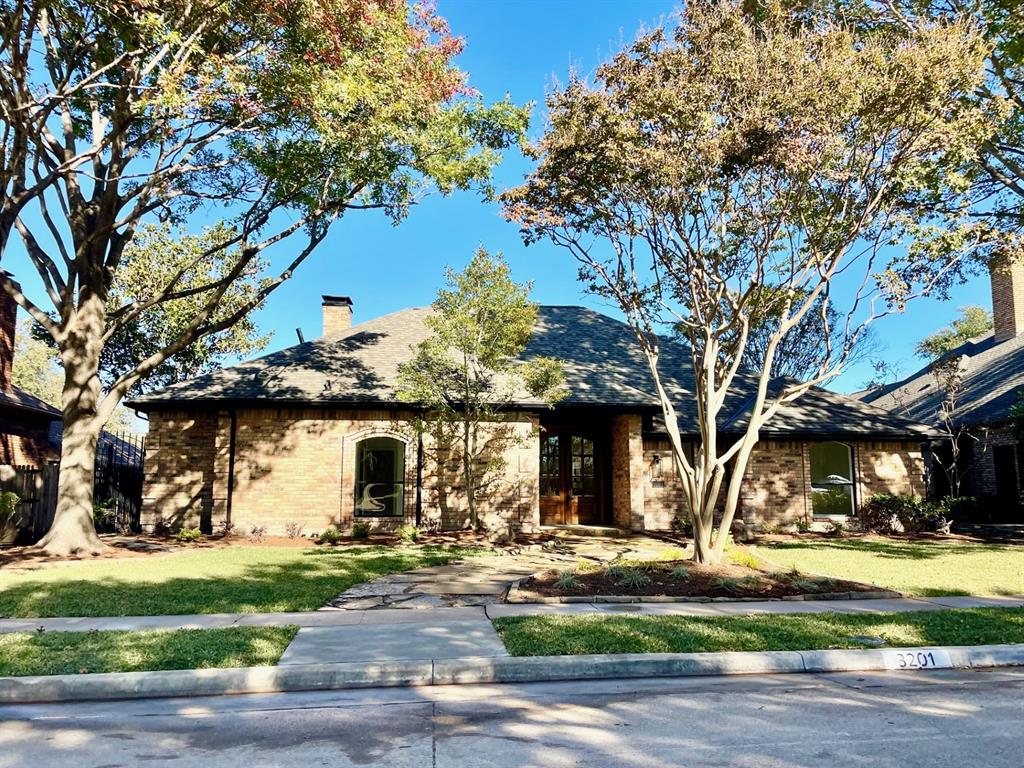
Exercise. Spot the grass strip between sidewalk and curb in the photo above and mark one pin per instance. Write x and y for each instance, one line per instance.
(61, 653)
(572, 635)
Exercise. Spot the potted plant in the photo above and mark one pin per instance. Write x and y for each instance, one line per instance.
(11, 518)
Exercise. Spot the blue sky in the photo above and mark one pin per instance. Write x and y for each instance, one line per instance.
(520, 47)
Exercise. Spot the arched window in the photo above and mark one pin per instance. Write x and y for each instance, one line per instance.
(380, 477)
(831, 479)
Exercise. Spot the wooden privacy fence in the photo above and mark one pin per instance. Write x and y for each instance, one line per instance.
(117, 486)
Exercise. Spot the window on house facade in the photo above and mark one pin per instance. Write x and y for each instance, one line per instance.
(550, 466)
(831, 479)
(380, 477)
(582, 466)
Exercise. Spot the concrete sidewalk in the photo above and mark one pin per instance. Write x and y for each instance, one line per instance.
(444, 616)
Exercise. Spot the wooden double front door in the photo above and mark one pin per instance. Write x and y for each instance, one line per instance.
(571, 483)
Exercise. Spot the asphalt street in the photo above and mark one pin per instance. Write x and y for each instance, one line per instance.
(935, 719)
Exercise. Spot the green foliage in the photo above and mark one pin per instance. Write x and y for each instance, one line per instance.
(408, 533)
(887, 513)
(567, 580)
(972, 322)
(803, 525)
(742, 556)
(332, 535)
(680, 572)
(633, 578)
(561, 635)
(197, 265)
(682, 525)
(468, 371)
(236, 579)
(188, 535)
(737, 584)
(360, 529)
(9, 513)
(836, 528)
(72, 653)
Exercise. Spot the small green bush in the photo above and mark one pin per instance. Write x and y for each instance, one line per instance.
(360, 529)
(770, 529)
(836, 528)
(680, 572)
(409, 533)
(734, 584)
(258, 534)
(633, 578)
(803, 525)
(186, 535)
(9, 514)
(567, 580)
(329, 535)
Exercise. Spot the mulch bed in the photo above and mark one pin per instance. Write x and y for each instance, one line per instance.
(735, 581)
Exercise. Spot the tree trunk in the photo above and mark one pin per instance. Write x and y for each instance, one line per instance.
(73, 530)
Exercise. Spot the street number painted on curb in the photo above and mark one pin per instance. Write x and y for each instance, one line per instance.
(917, 659)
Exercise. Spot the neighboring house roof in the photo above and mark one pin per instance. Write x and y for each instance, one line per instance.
(993, 375)
(20, 400)
(602, 363)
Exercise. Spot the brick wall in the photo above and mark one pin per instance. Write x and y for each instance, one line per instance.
(663, 491)
(983, 468)
(627, 452)
(25, 439)
(1008, 299)
(889, 467)
(294, 466)
(8, 319)
(776, 486)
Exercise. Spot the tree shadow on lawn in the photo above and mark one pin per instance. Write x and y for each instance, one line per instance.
(896, 549)
(302, 584)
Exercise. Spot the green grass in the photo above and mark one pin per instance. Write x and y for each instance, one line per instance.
(228, 580)
(919, 568)
(569, 635)
(61, 653)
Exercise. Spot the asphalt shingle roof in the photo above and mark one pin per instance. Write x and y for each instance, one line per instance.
(993, 376)
(603, 367)
(19, 399)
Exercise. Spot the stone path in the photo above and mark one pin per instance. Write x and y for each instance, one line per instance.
(478, 581)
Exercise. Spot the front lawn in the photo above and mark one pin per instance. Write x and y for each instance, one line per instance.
(921, 568)
(65, 653)
(570, 635)
(225, 580)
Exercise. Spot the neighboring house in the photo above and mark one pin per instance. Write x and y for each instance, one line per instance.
(314, 435)
(25, 420)
(992, 379)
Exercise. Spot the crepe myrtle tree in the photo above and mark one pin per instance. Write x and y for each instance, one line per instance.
(728, 158)
(468, 372)
(274, 117)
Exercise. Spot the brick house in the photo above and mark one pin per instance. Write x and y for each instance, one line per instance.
(313, 435)
(992, 369)
(26, 422)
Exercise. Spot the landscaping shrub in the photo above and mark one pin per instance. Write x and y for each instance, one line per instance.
(258, 534)
(567, 580)
(681, 572)
(409, 533)
(10, 518)
(293, 530)
(742, 556)
(633, 578)
(225, 528)
(187, 535)
(330, 535)
(803, 525)
(836, 528)
(361, 530)
(887, 513)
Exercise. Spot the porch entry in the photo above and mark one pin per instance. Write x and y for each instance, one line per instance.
(572, 482)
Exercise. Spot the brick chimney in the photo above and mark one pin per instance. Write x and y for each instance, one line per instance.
(8, 318)
(1008, 299)
(337, 314)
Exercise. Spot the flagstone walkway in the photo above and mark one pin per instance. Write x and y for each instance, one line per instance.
(485, 580)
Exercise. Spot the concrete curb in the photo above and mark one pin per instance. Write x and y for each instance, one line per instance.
(526, 669)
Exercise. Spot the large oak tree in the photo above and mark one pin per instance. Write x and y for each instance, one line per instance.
(276, 117)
